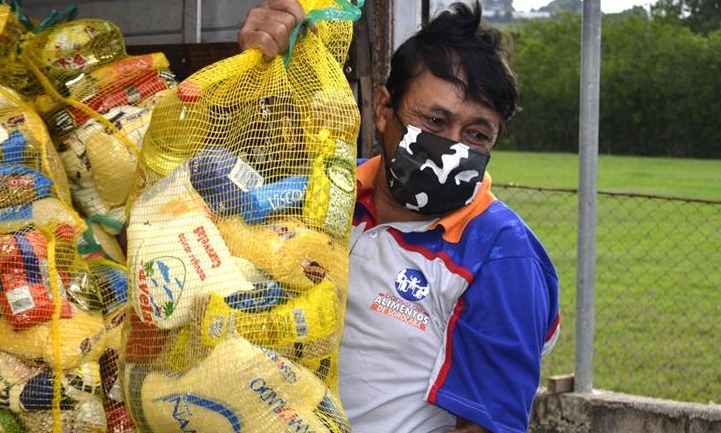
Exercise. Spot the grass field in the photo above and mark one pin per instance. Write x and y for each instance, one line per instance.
(687, 178)
(657, 271)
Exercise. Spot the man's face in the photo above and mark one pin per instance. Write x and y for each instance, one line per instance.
(439, 107)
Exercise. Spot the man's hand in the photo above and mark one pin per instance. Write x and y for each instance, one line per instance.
(268, 27)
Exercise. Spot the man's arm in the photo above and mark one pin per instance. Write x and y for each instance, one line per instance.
(268, 27)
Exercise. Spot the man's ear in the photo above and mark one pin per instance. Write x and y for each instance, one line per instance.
(381, 108)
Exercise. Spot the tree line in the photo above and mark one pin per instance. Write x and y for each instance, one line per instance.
(660, 85)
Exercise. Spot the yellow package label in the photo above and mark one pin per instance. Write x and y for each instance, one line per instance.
(311, 317)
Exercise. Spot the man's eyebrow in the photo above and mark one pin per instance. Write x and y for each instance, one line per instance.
(481, 120)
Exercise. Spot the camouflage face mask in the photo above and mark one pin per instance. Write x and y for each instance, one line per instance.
(432, 175)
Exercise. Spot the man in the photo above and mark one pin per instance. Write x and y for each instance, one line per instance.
(452, 299)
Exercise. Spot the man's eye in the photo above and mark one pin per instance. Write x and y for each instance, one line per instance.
(434, 121)
(479, 139)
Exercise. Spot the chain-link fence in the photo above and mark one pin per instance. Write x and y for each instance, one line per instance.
(657, 298)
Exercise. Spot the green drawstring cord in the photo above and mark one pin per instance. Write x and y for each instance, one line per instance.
(347, 11)
(53, 18)
(91, 246)
(56, 17)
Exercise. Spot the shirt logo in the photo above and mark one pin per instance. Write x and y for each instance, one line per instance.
(401, 310)
(411, 285)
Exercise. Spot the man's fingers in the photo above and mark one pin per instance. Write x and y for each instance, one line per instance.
(269, 26)
(260, 40)
(291, 7)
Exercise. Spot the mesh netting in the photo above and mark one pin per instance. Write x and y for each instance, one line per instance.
(235, 187)
(237, 235)
(97, 103)
(59, 315)
(73, 110)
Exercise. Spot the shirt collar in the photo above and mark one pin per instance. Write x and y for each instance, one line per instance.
(453, 222)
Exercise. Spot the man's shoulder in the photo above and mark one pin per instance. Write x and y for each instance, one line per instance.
(496, 216)
(500, 228)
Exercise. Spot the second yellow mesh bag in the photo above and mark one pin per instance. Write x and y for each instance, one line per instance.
(238, 239)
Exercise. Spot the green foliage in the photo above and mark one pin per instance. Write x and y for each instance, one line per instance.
(660, 89)
(560, 6)
(701, 16)
(547, 58)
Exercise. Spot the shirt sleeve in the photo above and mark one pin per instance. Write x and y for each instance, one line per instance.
(489, 369)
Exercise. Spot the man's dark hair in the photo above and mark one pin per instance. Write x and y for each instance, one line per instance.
(457, 37)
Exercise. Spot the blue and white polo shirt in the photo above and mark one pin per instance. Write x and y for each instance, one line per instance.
(445, 318)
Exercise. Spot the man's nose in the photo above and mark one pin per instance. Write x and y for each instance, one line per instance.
(453, 134)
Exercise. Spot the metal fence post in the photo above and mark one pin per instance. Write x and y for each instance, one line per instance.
(588, 154)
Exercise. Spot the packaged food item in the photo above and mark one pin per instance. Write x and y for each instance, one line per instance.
(221, 178)
(42, 213)
(318, 356)
(26, 298)
(265, 295)
(86, 416)
(112, 161)
(230, 186)
(296, 256)
(335, 110)
(63, 119)
(330, 197)
(39, 153)
(65, 50)
(36, 392)
(118, 418)
(112, 333)
(312, 316)
(97, 243)
(20, 184)
(270, 135)
(180, 125)
(13, 147)
(98, 78)
(237, 387)
(112, 281)
(144, 342)
(84, 337)
(176, 253)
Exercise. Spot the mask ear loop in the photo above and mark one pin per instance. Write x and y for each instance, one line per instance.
(386, 159)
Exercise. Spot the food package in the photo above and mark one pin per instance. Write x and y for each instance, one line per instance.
(292, 253)
(176, 253)
(80, 338)
(269, 394)
(26, 297)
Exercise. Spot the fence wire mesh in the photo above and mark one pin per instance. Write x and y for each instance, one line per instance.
(657, 302)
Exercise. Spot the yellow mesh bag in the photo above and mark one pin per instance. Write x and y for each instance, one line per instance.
(26, 142)
(238, 239)
(59, 313)
(16, 28)
(97, 103)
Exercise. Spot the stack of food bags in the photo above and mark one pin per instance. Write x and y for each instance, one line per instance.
(56, 320)
(97, 106)
(63, 277)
